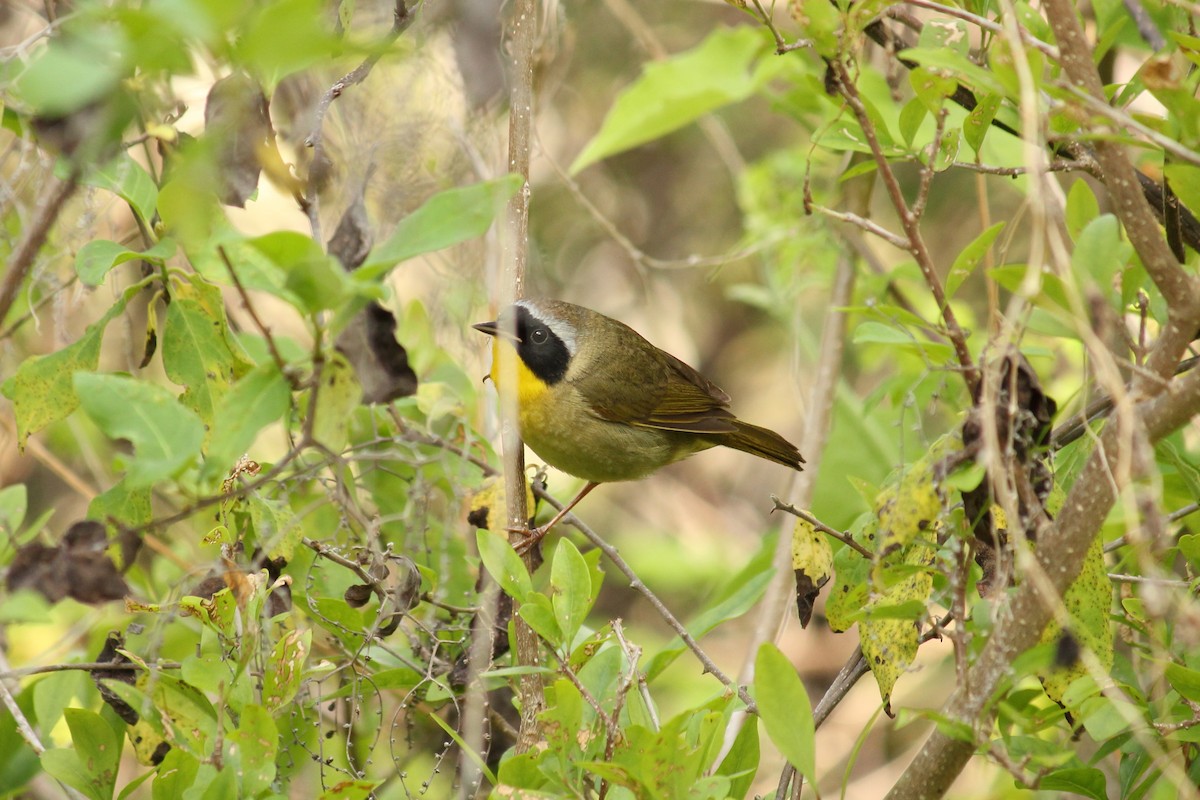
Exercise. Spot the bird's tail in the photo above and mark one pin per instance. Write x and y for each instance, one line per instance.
(763, 443)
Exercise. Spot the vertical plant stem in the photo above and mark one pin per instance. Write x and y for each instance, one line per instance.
(522, 29)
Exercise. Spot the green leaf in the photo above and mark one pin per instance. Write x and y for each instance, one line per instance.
(1012, 278)
(1100, 253)
(957, 64)
(1082, 208)
(446, 219)
(252, 749)
(721, 70)
(572, 589)
(743, 590)
(871, 332)
(932, 87)
(196, 355)
(979, 121)
(1189, 548)
(213, 784)
(165, 435)
(97, 257)
(285, 669)
(970, 257)
(13, 505)
(465, 748)
(1185, 681)
(314, 281)
(911, 117)
(284, 37)
(52, 695)
(122, 505)
(66, 766)
(91, 766)
(175, 775)
(43, 389)
(820, 21)
(18, 763)
(538, 611)
(261, 397)
(1085, 781)
(1185, 183)
(72, 72)
(131, 787)
(785, 709)
(504, 565)
(95, 742)
(339, 394)
(741, 762)
(128, 180)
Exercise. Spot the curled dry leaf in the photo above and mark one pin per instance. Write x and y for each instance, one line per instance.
(369, 341)
(812, 561)
(80, 568)
(236, 117)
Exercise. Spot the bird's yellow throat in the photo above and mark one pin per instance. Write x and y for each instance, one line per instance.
(530, 387)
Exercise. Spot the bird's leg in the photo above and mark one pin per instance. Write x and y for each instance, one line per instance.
(537, 534)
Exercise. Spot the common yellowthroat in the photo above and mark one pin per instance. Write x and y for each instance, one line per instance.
(599, 402)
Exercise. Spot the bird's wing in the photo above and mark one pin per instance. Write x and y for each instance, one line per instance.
(666, 394)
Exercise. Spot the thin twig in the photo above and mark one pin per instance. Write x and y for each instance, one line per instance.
(870, 226)
(983, 24)
(1126, 121)
(1057, 165)
(1118, 577)
(26, 251)
(276, 356)
(403, 17)
(842, 537)
(87, 666)
(10, 702)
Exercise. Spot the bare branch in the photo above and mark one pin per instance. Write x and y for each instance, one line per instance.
(38, 229)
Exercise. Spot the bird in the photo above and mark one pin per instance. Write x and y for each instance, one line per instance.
(598, 401)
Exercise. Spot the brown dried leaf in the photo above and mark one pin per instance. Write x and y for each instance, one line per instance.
(109, 654)
(236, 117)
(358, 595)
(380, 362)
(80, 568)
(352, 239)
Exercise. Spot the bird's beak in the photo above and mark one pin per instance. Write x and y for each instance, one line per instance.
(494, 329)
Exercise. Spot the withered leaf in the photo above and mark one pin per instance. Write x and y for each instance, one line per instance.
(352, 239)
(358, 595)
(380, 362)
(236, 118)
(109, 654)
(79, 568)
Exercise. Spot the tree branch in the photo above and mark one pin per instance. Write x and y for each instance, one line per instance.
(1059, 557)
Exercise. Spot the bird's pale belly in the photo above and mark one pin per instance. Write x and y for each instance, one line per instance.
(597, 450)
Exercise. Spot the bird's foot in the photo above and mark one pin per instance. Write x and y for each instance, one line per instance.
(531, 537)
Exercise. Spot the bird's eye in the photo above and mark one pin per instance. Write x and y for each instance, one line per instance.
(539, 335)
